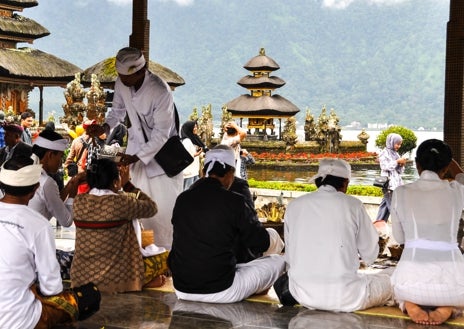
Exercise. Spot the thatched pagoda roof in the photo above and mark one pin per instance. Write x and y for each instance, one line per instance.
(263, 82)
(272, 106)
(20, 28)
(261, 63)
(20, 3)
(34, 67)
(106, 73)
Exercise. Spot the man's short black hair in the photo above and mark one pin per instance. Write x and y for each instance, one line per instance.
(335, 181)
(26, 115)
(218, 169)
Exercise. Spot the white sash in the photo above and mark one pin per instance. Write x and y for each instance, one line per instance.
(430, 244)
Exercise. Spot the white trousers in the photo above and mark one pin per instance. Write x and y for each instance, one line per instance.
(379, 291)
(250, 278)
(276, 244)
(164, 191)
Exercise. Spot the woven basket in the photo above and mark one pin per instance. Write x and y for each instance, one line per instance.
(148, 237)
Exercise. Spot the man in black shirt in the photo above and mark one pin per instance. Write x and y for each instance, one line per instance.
(208, 219)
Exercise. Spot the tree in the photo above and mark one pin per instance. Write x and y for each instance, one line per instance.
(409, 138)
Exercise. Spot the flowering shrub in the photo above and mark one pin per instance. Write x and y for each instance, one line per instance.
(351, 156)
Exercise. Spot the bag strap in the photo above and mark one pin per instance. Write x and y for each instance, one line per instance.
(81, 151)
(176, 120)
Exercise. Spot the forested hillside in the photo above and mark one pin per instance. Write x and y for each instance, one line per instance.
(370, 62)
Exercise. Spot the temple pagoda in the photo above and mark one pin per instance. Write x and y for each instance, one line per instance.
(260, 106)
(23, 69)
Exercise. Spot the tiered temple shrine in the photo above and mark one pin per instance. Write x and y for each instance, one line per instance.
(260, 106)
(22, 69)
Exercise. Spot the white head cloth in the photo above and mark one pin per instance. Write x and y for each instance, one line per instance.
(333, 167)
(58, 145)
(223, 156)
(129, 60)
(26, 176)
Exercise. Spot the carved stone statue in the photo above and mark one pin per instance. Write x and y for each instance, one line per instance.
(226, 117)
(334, 135)
(289, 135)
(309, 127)
(205, 125)
(363, 137)
(194, 115)
(322, 130)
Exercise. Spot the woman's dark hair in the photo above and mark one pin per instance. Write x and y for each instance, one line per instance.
(334, 181)
(218, 169)
(187, 132)
(433, 155)
(51, 136)
(102, 174)
(16, 163)
(50, 125)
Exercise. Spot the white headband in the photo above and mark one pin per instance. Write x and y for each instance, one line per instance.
(58, 145)
(333, 167)
(223, 156)
(129, 64)
(26, 176)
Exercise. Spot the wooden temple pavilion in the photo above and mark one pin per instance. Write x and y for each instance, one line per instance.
(23, 69)
(106, 73)
(140, 38)
(260, 106)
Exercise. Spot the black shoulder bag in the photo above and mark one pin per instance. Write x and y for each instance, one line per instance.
(173, 157)
(381, 181)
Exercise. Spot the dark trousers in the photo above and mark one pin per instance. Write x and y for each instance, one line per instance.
(384, 206)
(282, 291)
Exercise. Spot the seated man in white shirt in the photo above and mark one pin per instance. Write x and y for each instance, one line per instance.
(48, 200)
(326, 232)
(29, 271)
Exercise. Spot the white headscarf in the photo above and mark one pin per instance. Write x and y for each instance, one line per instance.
(57, 145)
(224, 155)
(129, 60)
(333, 167)
(393, 139)
(26, 176)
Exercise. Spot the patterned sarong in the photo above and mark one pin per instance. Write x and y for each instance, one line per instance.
(155, 265)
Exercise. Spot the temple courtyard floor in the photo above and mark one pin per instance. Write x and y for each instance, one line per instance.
(157, 309)
(160, 308)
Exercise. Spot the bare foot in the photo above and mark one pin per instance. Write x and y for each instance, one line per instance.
(440, 315)
(416, 313)
(157, 282)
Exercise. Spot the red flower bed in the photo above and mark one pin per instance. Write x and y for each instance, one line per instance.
(352, 156)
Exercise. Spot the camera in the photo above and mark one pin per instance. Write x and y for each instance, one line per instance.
(231, 131)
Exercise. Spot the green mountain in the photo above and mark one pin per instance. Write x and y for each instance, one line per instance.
(372, 61)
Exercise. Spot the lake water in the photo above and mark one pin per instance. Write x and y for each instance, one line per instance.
(359, 177)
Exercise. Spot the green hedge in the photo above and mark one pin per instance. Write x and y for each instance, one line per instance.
(361, 190)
